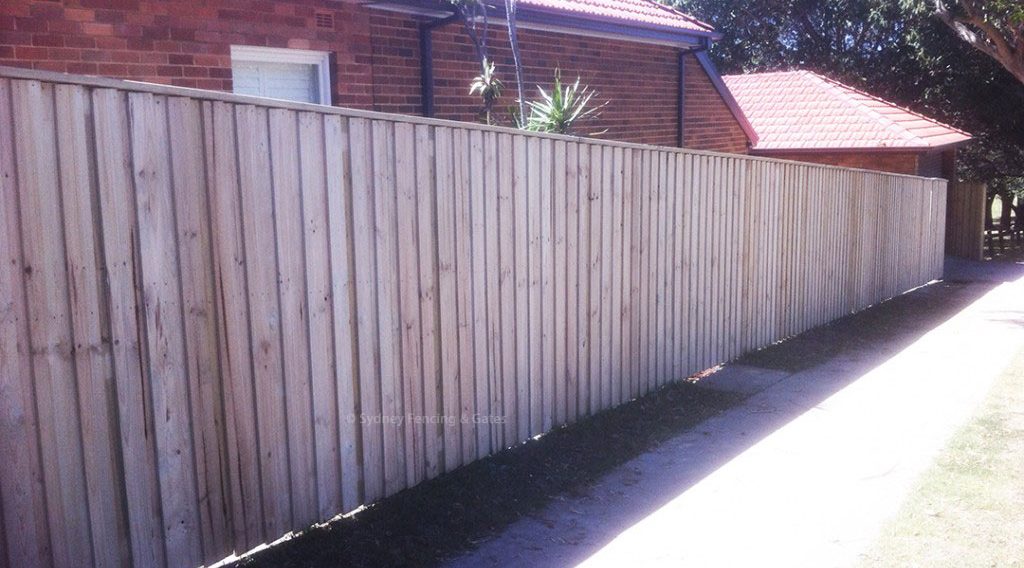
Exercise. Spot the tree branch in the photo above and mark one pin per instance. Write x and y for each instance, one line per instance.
(973, 28)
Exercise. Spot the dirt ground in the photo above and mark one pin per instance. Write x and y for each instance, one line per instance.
(922, 308)
(455, 512)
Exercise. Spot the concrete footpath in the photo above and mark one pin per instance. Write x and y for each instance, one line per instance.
(836, 427)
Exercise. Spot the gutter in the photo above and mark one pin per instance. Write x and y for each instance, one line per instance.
(859, 150)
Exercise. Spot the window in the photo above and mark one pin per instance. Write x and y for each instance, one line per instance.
(289, 74)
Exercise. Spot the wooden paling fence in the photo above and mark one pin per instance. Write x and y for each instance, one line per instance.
(965, 220)
(226, 318)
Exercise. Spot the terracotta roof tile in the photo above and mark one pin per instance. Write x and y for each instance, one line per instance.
(799, 110)
(646, 12)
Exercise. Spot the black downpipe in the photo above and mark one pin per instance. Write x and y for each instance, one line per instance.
(427, 62)
(682, 96)
(427, 69)
(682, 87)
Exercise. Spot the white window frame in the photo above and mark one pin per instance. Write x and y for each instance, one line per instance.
(320, 59)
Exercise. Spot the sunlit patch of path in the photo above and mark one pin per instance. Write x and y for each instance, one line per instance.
(804, 473)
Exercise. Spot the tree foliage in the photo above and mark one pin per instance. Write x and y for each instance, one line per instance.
(896, 49)
(993, 27)
(475, 22)
(474, 15)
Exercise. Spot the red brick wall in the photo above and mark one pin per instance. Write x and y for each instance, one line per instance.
(710, 124)
(895, 162)
(949, 164)
(938, 163)
(376, 59)
(929, 164)
(180, 42)
(640, 82)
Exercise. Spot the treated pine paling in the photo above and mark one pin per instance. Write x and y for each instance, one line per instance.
(521, 276)
(411, 380)
(547, 286)
(255, 181)
(291, 278)
(426, 219)
(464, 294)
(506, 288)
(478, 296)
(232, 310)
(572, 273)
(389, 321)
(162, 308)
(91, 355)
(338, 169)
(559, 303)
(322, 354)
(366, 314)
(191, 185)
(45, 281)
(492, 315)
(24, 524)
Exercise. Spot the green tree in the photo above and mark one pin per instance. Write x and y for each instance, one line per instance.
(993, 27)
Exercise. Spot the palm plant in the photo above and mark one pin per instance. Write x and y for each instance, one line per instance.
(561, 109)
(488, 86)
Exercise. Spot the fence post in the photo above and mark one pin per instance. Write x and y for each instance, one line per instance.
(965, 220)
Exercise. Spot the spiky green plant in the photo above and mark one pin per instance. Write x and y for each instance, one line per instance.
(560, 110)
(488, 86)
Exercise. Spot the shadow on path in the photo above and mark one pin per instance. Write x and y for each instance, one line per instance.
(461, 511)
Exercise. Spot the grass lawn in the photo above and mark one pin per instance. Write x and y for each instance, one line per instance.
(968, 508)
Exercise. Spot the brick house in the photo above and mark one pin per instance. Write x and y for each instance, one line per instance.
(402, 56)
(803, 116)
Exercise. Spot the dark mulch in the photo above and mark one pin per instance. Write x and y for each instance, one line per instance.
(440, 518)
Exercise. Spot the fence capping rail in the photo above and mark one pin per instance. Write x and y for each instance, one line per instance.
(9, 72)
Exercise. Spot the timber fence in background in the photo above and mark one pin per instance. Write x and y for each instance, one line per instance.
(965, 220)
(210, 301)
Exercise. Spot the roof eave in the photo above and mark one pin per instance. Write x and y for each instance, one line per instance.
(668, 35)
(553, 20)
(849, 150)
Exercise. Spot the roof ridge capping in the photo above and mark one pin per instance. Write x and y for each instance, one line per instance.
(676, 11)
(801, 109)
(763, 73)
(845, 87)
(848, 94)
